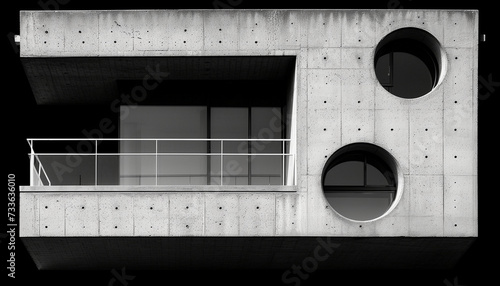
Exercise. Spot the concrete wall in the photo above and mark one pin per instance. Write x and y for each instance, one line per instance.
(338, 101)
(162, 211)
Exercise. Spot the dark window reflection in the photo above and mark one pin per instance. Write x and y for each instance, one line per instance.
(406, 68)
(359, 185)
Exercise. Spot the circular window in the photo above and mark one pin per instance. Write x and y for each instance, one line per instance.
(408, 62)
(360, 181)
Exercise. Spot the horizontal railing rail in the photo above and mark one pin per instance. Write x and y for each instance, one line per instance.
(73, 158)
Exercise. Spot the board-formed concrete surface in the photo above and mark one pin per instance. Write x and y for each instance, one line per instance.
(337, 100)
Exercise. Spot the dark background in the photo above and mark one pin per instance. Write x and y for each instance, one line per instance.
(23, 119)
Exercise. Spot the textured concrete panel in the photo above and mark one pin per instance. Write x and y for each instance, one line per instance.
(29, 215)
(358, 29)
(426, 205)
(150, 31)
(357, 58)
(27, 26)
(221, 212)
(323, 85)
(255, 30)
(460, 101)
(323, 58)
(47, 33)
(430, 101)
(116, 214)
(324, 138)
(321, 218)
(357, 126)
(426, 226)
(426, 141)
(186, 214)
(323, 29)
(392, 134)
(257, 214)
(52, 213)
(79, 34)
(82, 215)
(116, 33)
(358, 229)
(358, 89)
(151, 215)
(218, 35)
(291, 214)
(461, 29)
(387, 100)
(185, 30)
(289, 30)
(460, 216)
(458, 84)
(459, 146)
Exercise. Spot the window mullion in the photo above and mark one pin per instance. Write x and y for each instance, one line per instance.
(249, 144)
(364, 172)
(209, 143)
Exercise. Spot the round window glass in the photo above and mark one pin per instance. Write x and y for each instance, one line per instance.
(360, 181)
(408, 62)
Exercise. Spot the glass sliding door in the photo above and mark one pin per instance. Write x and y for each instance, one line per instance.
(229, 123)
(262, 166)
(266, 169)
(242, 134)
(164, 122)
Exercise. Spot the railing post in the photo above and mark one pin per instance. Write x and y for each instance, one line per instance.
(221, 161)
(156, 162)
(32, 163)
(95, 168)
(283, 173)
(294, 169)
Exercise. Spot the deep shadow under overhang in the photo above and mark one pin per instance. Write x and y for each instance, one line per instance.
(161, 253)
(94, 80)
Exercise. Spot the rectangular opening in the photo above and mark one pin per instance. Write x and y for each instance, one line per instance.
(213, 132)
(212, 121)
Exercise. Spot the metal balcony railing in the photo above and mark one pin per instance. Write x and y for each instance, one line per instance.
(139, 161)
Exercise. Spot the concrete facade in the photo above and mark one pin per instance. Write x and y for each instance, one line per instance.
(337, 100)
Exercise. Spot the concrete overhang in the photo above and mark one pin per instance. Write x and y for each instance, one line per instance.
(94, 80)
(75, 57)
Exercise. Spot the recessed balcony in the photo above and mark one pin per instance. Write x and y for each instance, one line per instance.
(162, 162)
